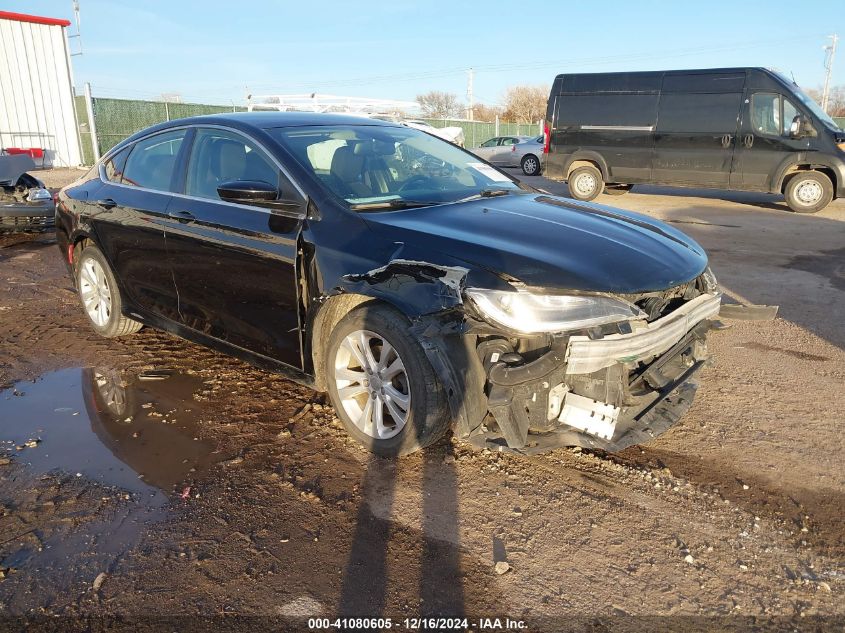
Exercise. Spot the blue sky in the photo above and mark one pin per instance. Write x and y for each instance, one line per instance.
(216, 52)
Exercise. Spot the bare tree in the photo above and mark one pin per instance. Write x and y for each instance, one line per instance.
(835, 99)
(483, 112)
(525, 104)
(439, 105)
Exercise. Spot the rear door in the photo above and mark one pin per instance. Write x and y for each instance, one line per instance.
(696, 128)
(129, 216)
(764, 142)
(235, 264)
(503, 154)
(487, 148)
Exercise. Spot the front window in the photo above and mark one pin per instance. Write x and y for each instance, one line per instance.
(376, 166)
(220, 156)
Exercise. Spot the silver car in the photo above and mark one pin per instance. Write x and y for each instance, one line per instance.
(513, 151)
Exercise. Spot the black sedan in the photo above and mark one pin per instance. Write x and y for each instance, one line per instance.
(419, 286)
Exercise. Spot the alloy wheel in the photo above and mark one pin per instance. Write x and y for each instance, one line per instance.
(372, 384)
(95, 292)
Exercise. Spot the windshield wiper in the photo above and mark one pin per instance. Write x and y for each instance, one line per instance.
(490, 192)
(392, 204)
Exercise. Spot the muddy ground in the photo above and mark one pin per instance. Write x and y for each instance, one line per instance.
(148, 476)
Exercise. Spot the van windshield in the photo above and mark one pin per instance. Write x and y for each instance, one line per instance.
(811, 104)
(374, 166)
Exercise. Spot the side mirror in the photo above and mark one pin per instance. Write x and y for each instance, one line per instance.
(247, 191)
(801, 127)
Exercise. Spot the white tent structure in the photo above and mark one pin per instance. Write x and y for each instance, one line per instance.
(36, 89)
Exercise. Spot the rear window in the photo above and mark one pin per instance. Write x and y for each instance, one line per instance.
(612, 110)
(152, 161)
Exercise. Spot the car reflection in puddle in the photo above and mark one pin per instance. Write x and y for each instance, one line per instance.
(137, 433)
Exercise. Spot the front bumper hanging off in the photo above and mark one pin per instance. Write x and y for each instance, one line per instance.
(605, 393)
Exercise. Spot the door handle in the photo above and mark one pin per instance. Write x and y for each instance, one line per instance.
(106, 203)
(182, 216)
(748, 141)
(726, 141)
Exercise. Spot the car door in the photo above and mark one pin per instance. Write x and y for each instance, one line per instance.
(129, 215)
(764, 140)
(504, 152)
(487, 148)
(234, 264)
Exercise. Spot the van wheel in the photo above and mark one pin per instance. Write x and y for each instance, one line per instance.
(617, 190)
(808, 192)
(585, 183)
(530, 165)
(381, 384)
(100, 295)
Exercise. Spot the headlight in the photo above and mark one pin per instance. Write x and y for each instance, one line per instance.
(530, 313)
(35, 195)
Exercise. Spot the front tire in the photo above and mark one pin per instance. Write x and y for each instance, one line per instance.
(585, 183)
(381, 384)
(100, 296)
(808, 192)
(530, 165)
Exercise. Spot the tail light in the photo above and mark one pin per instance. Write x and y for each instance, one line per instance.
(546, 137)
(513, 148)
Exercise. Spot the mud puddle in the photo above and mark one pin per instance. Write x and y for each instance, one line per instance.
(90, 461)
(137, 433)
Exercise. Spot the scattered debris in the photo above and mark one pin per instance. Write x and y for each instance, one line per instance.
(502, 567)
(185, 493)
(301, 412)
(689, 559)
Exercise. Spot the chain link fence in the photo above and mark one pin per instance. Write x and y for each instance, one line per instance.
(118, 119)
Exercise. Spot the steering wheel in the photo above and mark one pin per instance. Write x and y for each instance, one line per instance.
(414, 180)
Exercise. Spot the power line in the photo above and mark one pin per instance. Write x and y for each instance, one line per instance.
(568, 63)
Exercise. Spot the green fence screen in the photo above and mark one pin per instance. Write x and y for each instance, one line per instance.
(118, 119)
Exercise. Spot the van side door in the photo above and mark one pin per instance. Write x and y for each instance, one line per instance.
(696, 128)
(764, 142)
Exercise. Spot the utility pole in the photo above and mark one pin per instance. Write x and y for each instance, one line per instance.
(830, 52)
(469, 95)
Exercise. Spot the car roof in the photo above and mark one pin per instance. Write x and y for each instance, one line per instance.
(246, 121)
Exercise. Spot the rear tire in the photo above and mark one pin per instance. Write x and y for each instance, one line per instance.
(381, 384)
(808, 192)
(585, 183)
(100, 296)
(530, 165)
(617, 190)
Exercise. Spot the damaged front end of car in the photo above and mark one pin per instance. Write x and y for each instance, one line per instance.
(613, 381)
(528, 370)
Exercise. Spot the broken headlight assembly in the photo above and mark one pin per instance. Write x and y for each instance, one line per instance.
(529, 313)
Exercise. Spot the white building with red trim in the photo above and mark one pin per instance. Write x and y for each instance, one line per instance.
(37, 109)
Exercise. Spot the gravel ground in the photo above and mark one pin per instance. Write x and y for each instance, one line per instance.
(212, 488)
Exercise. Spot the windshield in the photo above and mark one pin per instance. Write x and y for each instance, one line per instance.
(811, 104)
(369, 165)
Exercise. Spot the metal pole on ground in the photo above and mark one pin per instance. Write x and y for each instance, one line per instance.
(92, 125)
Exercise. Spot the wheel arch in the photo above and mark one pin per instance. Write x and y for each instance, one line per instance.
(786, 172)
(586, 159)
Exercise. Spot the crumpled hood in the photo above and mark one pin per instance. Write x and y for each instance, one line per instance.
(550, 242)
